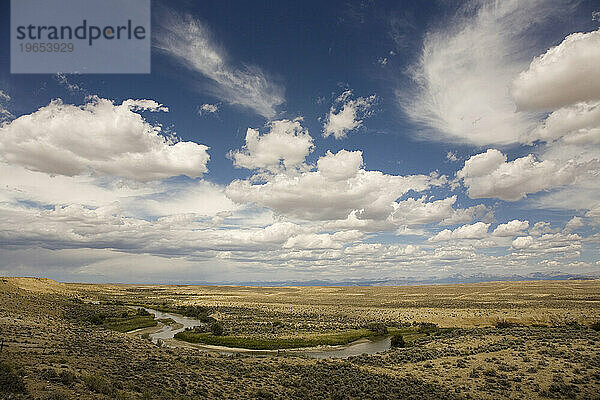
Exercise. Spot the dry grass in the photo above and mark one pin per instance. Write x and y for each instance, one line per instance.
(466, 305)
(544, 350)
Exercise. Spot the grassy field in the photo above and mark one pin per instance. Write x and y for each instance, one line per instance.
(277, 342)
(463, 305)
(498, 340)
(130, 324)
(274, 342)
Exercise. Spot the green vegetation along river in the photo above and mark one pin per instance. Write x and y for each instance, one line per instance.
(334, 345)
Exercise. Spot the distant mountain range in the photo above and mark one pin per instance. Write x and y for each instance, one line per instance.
(458, 278)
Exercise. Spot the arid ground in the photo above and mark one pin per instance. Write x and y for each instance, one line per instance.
(475, 341)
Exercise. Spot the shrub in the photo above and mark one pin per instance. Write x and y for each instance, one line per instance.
(198, 328)
(57, 395)
(97, 319)
(50, 374)
(398, 341)
(197, 312)
(98, 384)
(130, 324)
(10, 381)
(216, 328)
(66, 377)
(427, 327)
(502, 324)
(378, 328)
(595, 326)
(264, 394)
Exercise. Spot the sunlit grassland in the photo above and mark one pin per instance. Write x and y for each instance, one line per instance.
(482, 341)
(244, 310)
(130, 324)
(257, 342)
(274, 343)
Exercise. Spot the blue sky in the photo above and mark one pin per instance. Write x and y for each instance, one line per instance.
(302, 140)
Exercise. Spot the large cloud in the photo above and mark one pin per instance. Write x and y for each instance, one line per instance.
(190, 42)
(285, 146)
(142, 200)
(490, 175)
(575, 124)
(409, 214)
(336, 188)
(99, 137)
(563, 80)
(594, 213)
(295, 250)
(419, 211)
(565, 74)
(75, 226)
(466, 66)
(568, 244)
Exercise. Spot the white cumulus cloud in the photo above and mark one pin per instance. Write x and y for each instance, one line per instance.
(322, 240)
(490, 175)
(99, 137)
(478, 230)
(286, 145)
(574, 223)
(511, 228)
(332, 193)
(522, 242)
(565, 74)
(341, 165)
(575, 124)
(567, 245)
(450, 156)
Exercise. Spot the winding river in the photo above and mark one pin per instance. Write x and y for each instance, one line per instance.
(167, 332)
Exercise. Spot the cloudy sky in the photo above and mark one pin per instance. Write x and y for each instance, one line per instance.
(313, 140)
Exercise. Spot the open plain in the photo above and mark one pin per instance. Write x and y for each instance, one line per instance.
(491, 340)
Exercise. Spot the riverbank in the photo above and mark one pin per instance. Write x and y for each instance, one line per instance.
(363, 346)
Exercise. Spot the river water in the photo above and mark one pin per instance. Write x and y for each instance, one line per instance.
(362, 346)
(167, 331)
